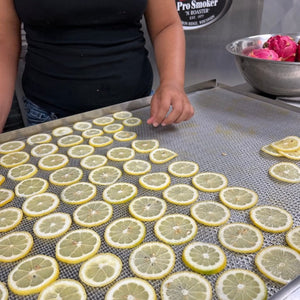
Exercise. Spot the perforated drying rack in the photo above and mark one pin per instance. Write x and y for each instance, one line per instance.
(224, 136)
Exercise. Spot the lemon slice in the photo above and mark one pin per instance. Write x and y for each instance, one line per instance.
(64, 289)
(6, 196)
(295, 155)
(124, 136)
(122, 115)
(186, 285)
(39, 138)
(278, 263)
(70, 140)
(137, 167)
(204, 258)
(10, 218)
(103, 121)
(82, 125)
(33, 274)
(289, 143)
(132, 121)
(89, 133)
(238, 284)
(161, 155)
(15, 246)
(100, 270)
(100, 141)
(120, 154)
(61, 131)
(14, 159)
(183, 168)
(40, 205)
(271, 218)
(53, 162)
(22, 172)
(210, 213)
(78, 193)
(3, 291)
(240, 237)
(119, 192)
(93, 213)
(180, 194)
(293, 238)
(113, 128)
(152, 260)
(93, 161)
(147, 208)
(80, 151)
(44, 150)
(2, 179)
(271, 151)
(155, 181)
(238, 197)
(52, 226)
(125, 233)
(285, 171)
(78, 246)
(105, 175)
(145, 146)
(31, 186)
(66, 176)
(210, 182)
(12, 146)
(175, 229)
(131, 288)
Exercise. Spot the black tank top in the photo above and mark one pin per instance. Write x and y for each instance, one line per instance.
(83, 55)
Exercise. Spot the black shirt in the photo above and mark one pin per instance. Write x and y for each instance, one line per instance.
(83, 55)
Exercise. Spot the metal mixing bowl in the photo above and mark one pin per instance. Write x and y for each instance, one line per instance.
(278, 78)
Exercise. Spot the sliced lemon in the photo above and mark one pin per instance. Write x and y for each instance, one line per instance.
(293, 238)
(210, 213)
(22, 172)
(119, 192)
(271, 151)
(120, 154)
(137, 167)
(131, 288)
(6, 196)
(44, 150)
(152, 260)
(82, 125)
(124, 233)
(238, 284)
(10, 218)
(2, 179)
(105, 175)
(238, 197)
(78, 193)
(93, 161)
(180, 194)
(52, 226)
(183, 168)
(132, 121)
(161, 155)
(145, 146)
(147, 208)
(122, 115)
(80, 151)
(100, 141)
(204, 258)
(271, 218)
(124, 136)
(155, 181)
(70, 140)
(210, 182)
(186, 285)
(89, 133)
(63, 289)
(3, 291)
(113, 128)
(40, 205)
(33, 274)
(289, 143)
(93, 213)
(295, 155)
(39, 138)
(53, 162)
(12, 146)
(66, 176)
(175, 229)
(14, 159)
(285, 171)
(31, 186)
(240, 237)
(103, 121)
(78, 246)
(278, 263)
(61, 131)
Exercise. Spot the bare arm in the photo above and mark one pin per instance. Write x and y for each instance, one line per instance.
(9, 56)
(167, 36)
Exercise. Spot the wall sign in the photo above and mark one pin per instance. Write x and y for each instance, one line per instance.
(199, 13)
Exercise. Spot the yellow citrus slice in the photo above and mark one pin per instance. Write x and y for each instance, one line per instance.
(161, 155)
(39, 138)
(210, 213)
(131, 288)
(103, 121)
(105, 175)
(113, 128)
(6, 196)
(52, 226)
(15, 246)
(89, 133)
(93, 161)
(66, 176)
(33, 274)
(100, 141)
(14, 159)
(293, 238)
(40, 205)
(78, 193)
(61, 131)
(155, 181)
(137, 167)
(295, 155)
(175, 229)
(124, 136)
(270, 150)
(119, 192)
(12, 146)
(10, 218)
(180, 194)
(82, 125)
(3, 291)
(240, 284)
(124, 233)
(44, 150)
(285, 171)
(78, 246)
(31, 186)
(289, 143)
(147, 208)
(278, 263)
(240, 237)
(80, 151)
(100, 270)
(204, 258)
(145, 146)
(22, 172)
(183, 168)
(152, 260)
(64, 289)
(186, 285)
(70, 140)
(271, 218)
(93, 213)
(122, 115)
(53, 162)
(120, 154)
(238, 197)
(210, 182)
(132, 121)
(2, 179)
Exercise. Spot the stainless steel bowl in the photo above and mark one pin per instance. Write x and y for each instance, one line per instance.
(276, 78)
